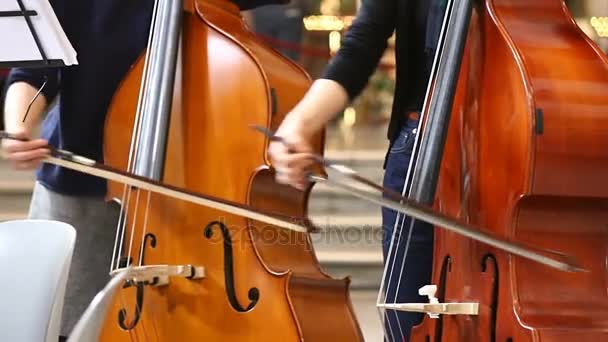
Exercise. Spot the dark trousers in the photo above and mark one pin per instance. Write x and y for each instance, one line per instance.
(283, 23)
(404, 277)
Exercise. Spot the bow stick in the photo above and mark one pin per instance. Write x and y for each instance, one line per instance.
(85, 165)
(408, 207)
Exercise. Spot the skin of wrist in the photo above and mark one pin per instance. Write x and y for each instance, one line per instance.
(18, 127)
(306, 125)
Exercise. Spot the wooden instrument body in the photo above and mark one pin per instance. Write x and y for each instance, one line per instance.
(526, 156)
(226, 80)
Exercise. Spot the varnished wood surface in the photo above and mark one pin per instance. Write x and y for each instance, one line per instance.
(539, 179)
(224, 84)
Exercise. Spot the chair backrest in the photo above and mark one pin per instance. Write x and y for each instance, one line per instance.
(35, 257)
(88, 328)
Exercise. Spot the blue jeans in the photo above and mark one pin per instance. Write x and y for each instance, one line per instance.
(404, 278)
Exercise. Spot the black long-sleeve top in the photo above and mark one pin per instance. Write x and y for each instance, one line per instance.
(416, 24)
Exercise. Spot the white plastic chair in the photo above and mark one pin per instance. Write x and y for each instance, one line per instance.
(35, 257)
(88, 328)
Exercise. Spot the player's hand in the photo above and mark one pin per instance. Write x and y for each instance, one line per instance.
(24, 155)
(293, 158)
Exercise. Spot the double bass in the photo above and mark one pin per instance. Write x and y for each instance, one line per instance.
(514, 139)
(523, 120)
(181, 117)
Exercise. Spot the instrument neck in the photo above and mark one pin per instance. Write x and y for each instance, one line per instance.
(422, 181)
(152, 124)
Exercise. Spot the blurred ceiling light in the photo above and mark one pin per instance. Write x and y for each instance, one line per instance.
(350, 116)
(327, 22)
(600, 24)
(335, 39)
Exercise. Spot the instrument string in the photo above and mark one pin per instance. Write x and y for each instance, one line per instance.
(400, 220)
(137, 308)
(127, 189)
(135, 138)
(151, 59)
(141, 262)
(120, 231)
(134, 224)
(121, 296)
(147, 214)
(164, 12)
(146, 211)
(142, 322)
(144, 231)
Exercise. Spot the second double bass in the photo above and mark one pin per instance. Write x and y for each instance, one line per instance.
(255, 282)
(515, 141)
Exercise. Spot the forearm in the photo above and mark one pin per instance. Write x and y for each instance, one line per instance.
(323, 101)
(363, 46)
(17, 100)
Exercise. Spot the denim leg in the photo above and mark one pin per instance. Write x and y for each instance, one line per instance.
(404, 278)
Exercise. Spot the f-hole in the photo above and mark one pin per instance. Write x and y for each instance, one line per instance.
(139, 297)
(152, 239)
(446, 267)
(494, 305)
(122, 314)
(254, 293)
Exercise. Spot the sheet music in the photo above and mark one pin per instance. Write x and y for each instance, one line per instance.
(17, 42)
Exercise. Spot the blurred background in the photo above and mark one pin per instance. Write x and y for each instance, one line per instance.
(309, 32)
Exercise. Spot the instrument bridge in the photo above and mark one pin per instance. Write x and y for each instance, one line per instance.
(159, 275)
(434, 308)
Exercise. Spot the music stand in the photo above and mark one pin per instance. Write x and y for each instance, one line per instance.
(31, 36)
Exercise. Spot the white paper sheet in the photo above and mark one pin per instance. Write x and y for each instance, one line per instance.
(17, 42)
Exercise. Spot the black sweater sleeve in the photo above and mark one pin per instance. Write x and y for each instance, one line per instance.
(363, 46)
(36, 78)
